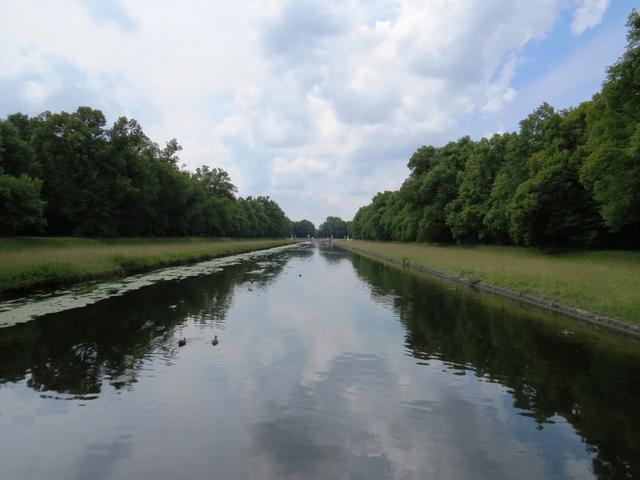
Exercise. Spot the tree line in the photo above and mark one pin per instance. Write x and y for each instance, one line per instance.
(333, 227)
(565, 178)
(303, 229)
(67, 174)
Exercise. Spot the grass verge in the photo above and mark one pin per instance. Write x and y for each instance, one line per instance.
(604, 283)
(30, 263)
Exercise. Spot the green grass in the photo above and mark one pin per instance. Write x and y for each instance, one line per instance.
(602, 282)
(28, 263)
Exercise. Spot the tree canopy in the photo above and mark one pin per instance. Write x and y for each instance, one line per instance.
(303, 229)
(565, 178)
(333, 227)
(68, 174)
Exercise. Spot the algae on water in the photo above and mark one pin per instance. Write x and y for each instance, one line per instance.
(31, 307)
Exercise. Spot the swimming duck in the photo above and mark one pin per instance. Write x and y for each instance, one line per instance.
(182, 342)
(215, 340)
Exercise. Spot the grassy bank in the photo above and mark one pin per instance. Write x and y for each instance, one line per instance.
(29, 263)
(602, 282)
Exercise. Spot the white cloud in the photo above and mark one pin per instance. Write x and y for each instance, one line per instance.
(316, 103)
(370, 90)
(588, 14)
(305, 165)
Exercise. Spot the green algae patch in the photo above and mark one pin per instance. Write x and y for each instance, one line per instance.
(26, 308)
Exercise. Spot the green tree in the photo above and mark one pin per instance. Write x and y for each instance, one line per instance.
(137, 186)
(612, 168)
(514, 171)
(569, 178)
(437, 187)
(466, 213)
(21, 208)
(333, 227)
(71, 149)
(107, 182)
(16, 155)
(303, 229)
(551, 207)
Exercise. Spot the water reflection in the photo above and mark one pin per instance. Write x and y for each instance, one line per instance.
(587, 378)
(329, 366)
(72, 352)
(305, 437)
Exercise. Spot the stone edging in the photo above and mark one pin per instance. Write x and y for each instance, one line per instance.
(601, 320)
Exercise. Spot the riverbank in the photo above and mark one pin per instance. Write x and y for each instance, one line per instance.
(597, 286)
(32, 263)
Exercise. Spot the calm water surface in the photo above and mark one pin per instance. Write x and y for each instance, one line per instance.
(329, 366)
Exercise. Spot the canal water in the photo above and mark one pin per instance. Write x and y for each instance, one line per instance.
(329, 366)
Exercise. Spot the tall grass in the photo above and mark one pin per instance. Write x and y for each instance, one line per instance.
(602, 282)
(36, 262)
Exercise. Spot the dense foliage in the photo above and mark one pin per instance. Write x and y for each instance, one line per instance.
(333, 227)
(566, 178)
(67, 174)
(303, 229)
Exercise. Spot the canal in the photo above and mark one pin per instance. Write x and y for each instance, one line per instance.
(329, 365)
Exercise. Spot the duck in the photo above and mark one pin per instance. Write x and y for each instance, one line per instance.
(215, 340)
(250, 289)
(182, 342)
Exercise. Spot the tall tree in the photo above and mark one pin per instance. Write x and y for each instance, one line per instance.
(612, 168)
(87, 179)
(466, 213)
(333, 227)
(304, 229)
(21, 208)
(514, 171)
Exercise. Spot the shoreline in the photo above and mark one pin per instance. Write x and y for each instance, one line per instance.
(28, 276)
(30, 307)
(614, 324)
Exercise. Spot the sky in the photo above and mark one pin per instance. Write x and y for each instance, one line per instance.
(317, 103)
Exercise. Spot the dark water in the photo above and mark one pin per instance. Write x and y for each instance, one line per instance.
(353, 370)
